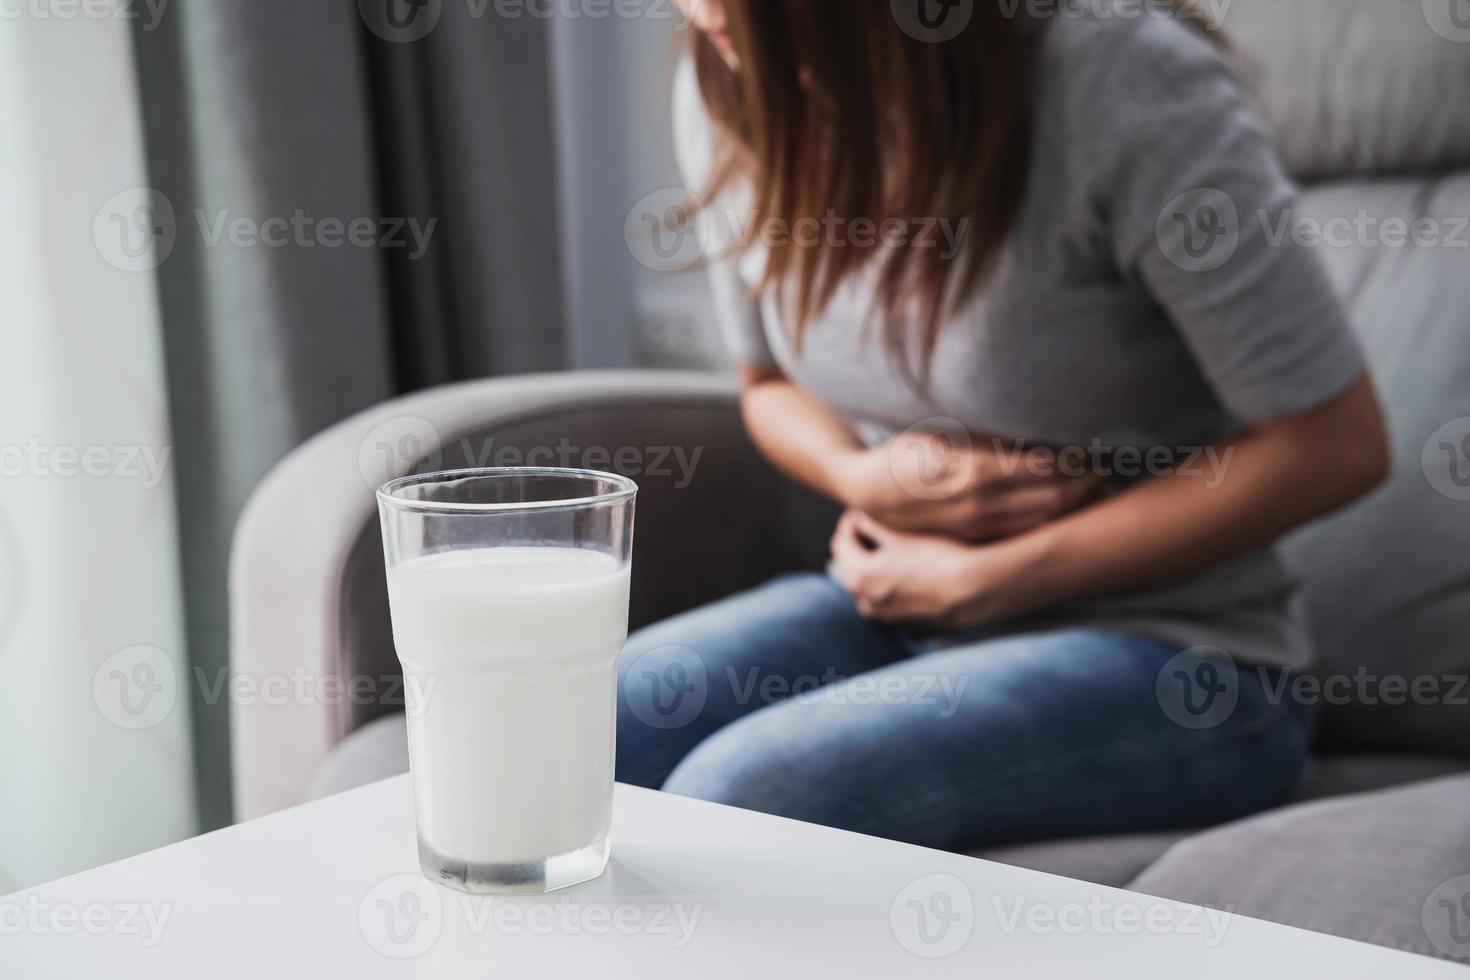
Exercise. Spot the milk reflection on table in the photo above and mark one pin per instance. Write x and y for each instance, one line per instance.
(510, 659)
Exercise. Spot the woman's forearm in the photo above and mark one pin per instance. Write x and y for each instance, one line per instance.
(1278, 477)
(796, 432)
(919, 482)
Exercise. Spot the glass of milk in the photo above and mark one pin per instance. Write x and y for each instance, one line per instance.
(509, 595)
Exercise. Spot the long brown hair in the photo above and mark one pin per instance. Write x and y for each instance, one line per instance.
(843, 108)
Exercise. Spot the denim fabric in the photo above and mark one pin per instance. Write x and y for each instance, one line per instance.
(785, 700)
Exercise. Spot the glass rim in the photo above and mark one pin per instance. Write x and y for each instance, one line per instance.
(623, 489)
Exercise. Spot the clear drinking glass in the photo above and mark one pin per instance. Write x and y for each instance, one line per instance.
(509, 595)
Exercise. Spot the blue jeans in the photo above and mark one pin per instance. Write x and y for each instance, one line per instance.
(785, 700)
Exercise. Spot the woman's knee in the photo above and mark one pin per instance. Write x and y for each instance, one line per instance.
(783, 760)
(700, 663)
(678, 680)
(739, 765)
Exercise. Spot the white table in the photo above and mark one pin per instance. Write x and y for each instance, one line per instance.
(330, 890)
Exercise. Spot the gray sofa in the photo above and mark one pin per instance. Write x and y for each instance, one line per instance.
(1368, 99)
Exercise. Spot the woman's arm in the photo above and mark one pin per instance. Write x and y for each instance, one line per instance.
(800, 435)
(920, 482)
(1280, 475)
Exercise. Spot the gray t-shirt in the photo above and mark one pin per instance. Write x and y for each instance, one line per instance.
(1145, 303)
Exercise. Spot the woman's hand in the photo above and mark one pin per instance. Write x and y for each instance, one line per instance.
(925, 483)
(895, 576)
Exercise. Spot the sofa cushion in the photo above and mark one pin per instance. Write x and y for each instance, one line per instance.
(1358, 86)
(1388, 580)
(1112, 860)
(1340, 775)
(1116, 860)
(1390, 868)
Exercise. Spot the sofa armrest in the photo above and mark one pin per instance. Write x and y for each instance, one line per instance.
(310, 646)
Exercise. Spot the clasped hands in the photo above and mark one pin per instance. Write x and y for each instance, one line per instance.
(935, 530)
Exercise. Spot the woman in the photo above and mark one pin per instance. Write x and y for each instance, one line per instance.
(1006, 647)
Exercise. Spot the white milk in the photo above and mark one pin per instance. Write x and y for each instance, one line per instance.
(513, 653)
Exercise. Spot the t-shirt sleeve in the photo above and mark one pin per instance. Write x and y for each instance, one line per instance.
(737, 313)
(1196, 208)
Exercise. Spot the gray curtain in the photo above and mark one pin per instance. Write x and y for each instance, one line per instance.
(278, 109)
